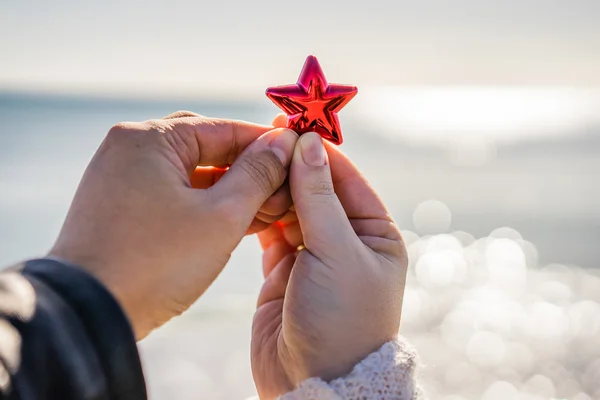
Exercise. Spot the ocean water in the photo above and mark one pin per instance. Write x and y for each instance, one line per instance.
(497, 194)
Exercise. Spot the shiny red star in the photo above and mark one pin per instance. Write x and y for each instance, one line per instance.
(312, 104)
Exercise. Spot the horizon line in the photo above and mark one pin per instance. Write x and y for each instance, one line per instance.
(247, 95)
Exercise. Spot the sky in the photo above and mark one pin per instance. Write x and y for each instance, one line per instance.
(238, 47)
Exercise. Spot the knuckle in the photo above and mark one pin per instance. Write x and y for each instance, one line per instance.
(120, 133)
(264, 169)
(323, 187)
(123, 128)
(181, 114)
(156, 125)
(132, 133)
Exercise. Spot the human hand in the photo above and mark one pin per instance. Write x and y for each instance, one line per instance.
(323, 309)
(157, 230)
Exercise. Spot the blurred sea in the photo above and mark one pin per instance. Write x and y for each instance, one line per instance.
(497, 193)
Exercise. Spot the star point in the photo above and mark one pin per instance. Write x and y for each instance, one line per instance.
(312, 103)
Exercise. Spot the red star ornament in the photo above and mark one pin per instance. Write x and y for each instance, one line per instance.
(312, 104)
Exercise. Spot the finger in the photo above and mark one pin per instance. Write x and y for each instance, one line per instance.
(370, 219)
(268, 218)
(275, 246)
(181, 114)
(289, 218)
(205, 177)
(261, 222)
(274, 254)
(325, 226)
(375, 227)
(291, 230)
(201, 141)
(357, 196)
(280, 121)
(279, 203)
(277, 281)
(270, 236)
(256, 174)
(257, 226)
(275, 206)
(277, 230)
(286, 229)
(272, 210)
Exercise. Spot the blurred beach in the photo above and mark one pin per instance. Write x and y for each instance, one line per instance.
(495, 189)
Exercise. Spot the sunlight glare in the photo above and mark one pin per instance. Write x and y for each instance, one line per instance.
(458, 114)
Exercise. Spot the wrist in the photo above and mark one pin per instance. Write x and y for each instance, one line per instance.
(390, 371)
(330, 361)
(94, 267)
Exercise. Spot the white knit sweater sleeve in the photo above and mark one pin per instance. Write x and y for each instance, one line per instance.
(387, 374)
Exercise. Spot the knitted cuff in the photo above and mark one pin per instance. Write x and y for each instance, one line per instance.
(387, 374)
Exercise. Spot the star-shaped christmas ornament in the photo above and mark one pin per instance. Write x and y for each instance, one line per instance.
(312, 104)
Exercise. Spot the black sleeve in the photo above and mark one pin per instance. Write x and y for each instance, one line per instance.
(63, 336)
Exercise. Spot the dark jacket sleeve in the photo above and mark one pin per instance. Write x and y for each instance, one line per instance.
(63, 336)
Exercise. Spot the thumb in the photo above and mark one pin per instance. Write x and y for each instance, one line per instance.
(257, 173)
(325, 226)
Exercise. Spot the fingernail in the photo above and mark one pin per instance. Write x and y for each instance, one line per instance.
(312, 150)
(283, 145)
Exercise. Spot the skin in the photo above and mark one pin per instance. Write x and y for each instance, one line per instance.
(156, 217)
(324, 308)
(155, 228)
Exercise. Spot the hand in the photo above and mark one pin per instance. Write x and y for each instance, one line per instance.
(157, 230)
(324, 308)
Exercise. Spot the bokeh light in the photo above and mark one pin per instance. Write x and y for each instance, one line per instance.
(432, 216)
(496, 324)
